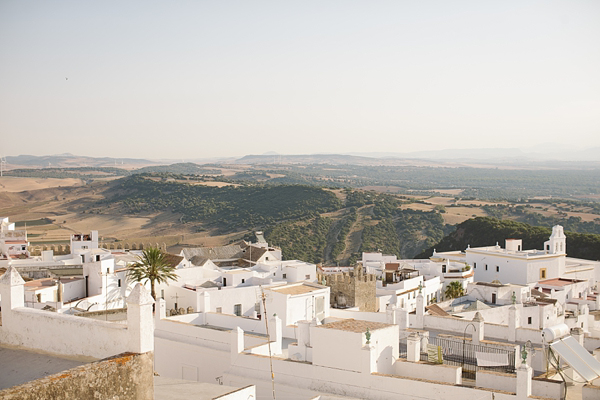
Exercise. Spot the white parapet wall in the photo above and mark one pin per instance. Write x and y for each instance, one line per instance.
(441, 372)
(545, 388)
(71, 335)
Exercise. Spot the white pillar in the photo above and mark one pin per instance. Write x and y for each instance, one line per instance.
(140, 324)
(402, 318)
(413, 347)
(237, 343)
(391, 314)
(161, 311)
(577, 333)
(524, 374)
(204, 305)
(369, 363)
(478, 332)
(420, 312)
(514, 322)
(275, 334)
(303, 339)
(12, 291)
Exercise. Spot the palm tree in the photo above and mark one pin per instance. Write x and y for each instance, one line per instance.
(151, 266)
(454, 289)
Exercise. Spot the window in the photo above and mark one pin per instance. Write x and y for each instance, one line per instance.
(307, 277)
(284, 276)
(497, 268)
(119, 283)
(243, 280)
(529, 320)
(543, 273)
(98, 257)
(486, 267)
(443, 268)
(162, 294)
(474, 265)
(237, 309)
(219, 310)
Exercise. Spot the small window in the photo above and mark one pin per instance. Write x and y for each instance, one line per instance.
(284, 276)
(273, 273)
(486, 267)
(543, 273)
(119, 283)
(529, 320)
(162, 294)
(219, 310)
(474, 265)
(243, 280)
(443, 268)
(237, 309)
(107, 270)
(497, 268)
(307, 277)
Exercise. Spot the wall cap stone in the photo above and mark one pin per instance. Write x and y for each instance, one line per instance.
(140, 296)
(11, 277)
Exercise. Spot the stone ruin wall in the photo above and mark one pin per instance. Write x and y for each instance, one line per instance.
(63, 249)
(358, 288)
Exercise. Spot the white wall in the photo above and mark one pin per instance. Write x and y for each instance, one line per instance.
(440, 372)
(342, 349)
(65, 334)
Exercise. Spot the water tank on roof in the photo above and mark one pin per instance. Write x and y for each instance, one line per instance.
(555, 332)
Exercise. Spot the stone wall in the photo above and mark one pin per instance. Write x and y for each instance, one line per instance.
(127, 376)
(357, 288)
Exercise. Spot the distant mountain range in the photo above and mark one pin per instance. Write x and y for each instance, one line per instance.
(68, 160)
(545, 155)
(546, 152)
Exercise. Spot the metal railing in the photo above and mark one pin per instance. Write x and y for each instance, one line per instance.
(469, 356)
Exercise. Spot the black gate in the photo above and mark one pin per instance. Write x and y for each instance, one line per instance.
(467, 355)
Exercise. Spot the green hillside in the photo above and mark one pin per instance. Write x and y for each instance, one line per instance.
(486, 231)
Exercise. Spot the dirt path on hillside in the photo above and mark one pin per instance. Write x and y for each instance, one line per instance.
(354, 238)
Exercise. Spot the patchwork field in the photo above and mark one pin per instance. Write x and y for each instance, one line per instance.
(17, 184)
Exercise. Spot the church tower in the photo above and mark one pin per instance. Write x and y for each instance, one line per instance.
(558, 241)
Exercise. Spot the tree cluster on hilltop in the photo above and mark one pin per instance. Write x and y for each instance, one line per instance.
(487, 231)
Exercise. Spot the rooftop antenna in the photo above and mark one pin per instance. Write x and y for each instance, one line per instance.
(264, 301)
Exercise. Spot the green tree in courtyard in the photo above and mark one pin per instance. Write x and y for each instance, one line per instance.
(454, 290)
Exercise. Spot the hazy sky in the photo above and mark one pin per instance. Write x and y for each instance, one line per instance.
(193, 79)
